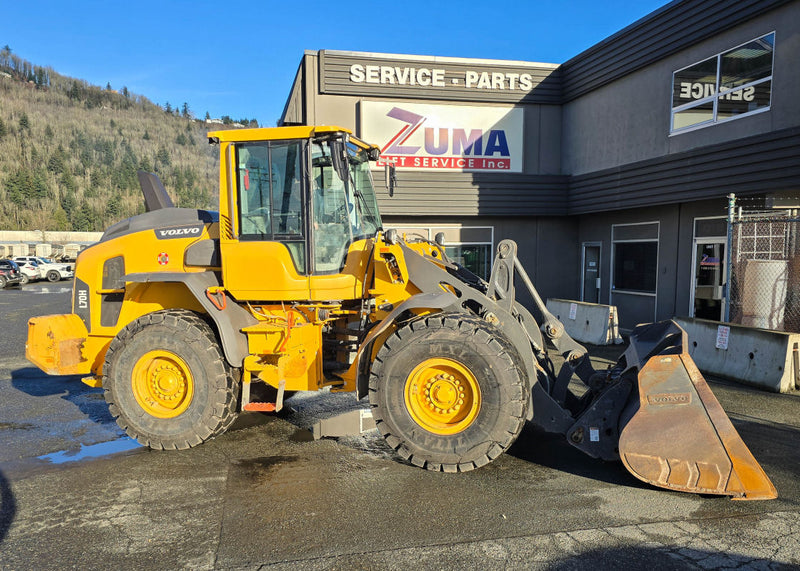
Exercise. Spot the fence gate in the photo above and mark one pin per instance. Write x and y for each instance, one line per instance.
(764, 263)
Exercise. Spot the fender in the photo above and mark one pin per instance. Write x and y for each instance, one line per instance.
(229, 320)
(428, 277)
(441, 300)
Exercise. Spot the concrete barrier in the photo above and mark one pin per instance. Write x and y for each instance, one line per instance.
(759, 357)
(587, 322)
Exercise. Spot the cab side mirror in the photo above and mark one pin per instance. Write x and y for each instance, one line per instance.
(391, 178)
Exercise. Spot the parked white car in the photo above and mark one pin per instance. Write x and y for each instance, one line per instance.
(30, 270)
(50, 269)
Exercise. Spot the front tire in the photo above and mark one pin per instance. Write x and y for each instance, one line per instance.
(53, 276)
(167, 382)
(25, 279)
(447, 392)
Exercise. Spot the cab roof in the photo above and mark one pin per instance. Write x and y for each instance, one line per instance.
(281, 134)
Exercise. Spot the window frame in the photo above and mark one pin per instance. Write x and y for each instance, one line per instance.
(429, 232)
(271, 235)
(614, 242)
(714, 99)
(237, 191)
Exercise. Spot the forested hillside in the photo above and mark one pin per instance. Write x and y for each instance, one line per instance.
(69, 151)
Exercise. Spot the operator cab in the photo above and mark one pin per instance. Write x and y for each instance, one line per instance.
(300, 206)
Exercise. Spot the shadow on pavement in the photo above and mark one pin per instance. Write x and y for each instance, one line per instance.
(772, 445)
(8, 506)
(89, 401)
(536, 446)
(666, 558)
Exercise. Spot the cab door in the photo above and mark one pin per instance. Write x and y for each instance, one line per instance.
(264, 251)
(341, 222)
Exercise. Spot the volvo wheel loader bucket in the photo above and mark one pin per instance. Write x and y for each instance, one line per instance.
(677, 436)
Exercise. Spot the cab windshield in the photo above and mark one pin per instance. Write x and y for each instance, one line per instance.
(344, 208)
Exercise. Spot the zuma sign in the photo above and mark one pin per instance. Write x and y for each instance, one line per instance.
(445, 137)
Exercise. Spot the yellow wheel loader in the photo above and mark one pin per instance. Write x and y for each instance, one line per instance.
(185, 316)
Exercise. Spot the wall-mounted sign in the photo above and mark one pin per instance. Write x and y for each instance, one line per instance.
(435, 77)
(450, 79)
(445, 137)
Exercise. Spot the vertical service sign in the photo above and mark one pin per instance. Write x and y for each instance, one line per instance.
(423, 137)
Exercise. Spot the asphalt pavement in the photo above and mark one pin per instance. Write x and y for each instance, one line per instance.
(76, 493)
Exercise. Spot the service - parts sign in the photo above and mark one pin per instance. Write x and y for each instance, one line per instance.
(445, 137)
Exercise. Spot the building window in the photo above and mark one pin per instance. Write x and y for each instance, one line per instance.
(635, 257)
(470, 246)
(729, 85)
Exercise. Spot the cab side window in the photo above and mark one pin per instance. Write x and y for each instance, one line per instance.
(271, 195)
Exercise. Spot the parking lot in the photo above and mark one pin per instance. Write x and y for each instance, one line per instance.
(77, 494)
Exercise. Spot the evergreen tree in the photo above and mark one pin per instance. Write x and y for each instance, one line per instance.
(40, 187)
(24, 122)
(162, 157)
(68, 203)
(75, 91)
(60, 220)
(57, 163)
(114, 207)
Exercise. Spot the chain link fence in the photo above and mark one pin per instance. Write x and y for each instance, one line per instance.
(764, 268)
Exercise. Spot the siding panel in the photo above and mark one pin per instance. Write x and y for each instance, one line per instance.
(464, 194)
(764, 163)
(666, 31)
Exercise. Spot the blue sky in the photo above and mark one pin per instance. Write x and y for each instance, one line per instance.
(239, 58)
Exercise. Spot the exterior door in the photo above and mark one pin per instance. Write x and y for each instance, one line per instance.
(709, 279)
(590, 291)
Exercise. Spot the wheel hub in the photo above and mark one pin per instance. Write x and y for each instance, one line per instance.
(442, 396)
(162, 384)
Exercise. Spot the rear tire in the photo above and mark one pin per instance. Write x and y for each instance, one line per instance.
(447, 393)
(3, 281)
(24, 279)
(167, 382)
(53, 276)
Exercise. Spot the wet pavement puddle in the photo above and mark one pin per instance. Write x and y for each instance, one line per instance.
(93, 451)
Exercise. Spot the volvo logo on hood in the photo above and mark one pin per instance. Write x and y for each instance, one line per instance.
(192, 231)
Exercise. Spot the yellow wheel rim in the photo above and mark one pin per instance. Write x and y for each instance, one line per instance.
(442, 396)
(162, 384)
